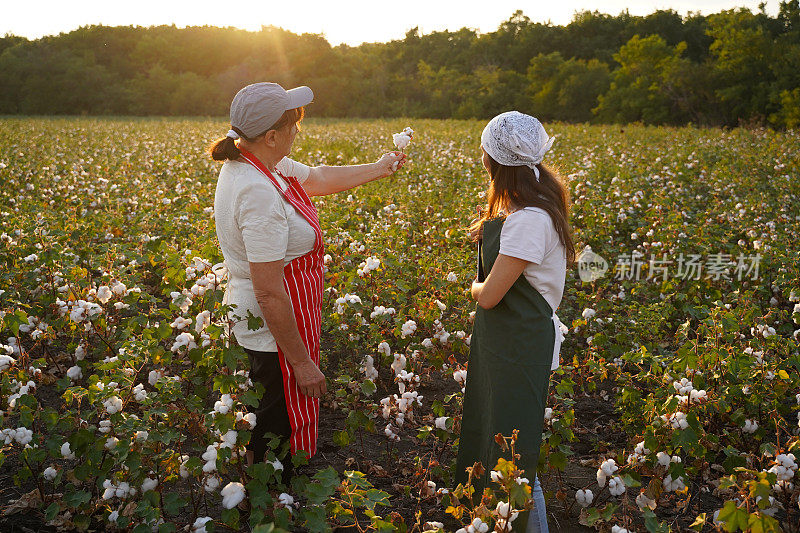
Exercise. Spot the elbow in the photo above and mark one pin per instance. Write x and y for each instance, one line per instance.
(486, 303)
(267, 297)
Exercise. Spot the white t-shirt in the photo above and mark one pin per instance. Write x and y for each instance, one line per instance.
(530, 234)
(255, 223)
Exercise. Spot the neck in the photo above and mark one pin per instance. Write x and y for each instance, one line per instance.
(268, 157)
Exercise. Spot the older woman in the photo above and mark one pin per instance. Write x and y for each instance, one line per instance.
(270, 236)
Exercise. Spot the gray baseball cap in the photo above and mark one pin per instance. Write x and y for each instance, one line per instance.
(258, 106)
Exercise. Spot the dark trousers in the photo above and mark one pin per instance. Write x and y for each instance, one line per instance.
(271, 413)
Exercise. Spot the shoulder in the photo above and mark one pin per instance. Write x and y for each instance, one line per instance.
(529, 217)
(290, 167)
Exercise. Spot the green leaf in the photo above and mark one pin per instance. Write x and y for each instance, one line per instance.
(52, 511)
(368, 387)
(341, 438)
(173, 503)
(77, 498)
(231, 517)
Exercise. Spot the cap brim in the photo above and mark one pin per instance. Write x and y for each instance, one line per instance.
(299, 97)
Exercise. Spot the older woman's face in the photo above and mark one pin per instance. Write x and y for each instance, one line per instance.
(284, 138)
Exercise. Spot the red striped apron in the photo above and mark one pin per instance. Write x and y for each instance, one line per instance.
(303, 279)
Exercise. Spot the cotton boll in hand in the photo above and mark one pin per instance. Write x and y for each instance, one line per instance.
(401, 140)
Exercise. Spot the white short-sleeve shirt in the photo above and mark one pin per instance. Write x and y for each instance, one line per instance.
(255, 223)
(530, 234)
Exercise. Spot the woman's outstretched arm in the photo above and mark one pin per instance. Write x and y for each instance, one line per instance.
(324, 180)
(505, 271)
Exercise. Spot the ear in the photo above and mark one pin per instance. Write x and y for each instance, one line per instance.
(269, 138)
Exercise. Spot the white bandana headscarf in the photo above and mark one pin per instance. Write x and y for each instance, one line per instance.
(516, 139)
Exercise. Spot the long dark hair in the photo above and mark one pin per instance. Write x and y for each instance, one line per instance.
(516, 187)
(226, 148)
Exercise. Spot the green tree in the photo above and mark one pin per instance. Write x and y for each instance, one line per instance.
(743, 52)
(566, 90)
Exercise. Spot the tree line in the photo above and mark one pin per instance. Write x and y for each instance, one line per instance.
(725, 69)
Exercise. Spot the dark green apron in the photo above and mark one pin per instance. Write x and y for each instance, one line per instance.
(510, 355)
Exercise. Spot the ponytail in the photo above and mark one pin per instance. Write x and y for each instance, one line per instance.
(225, 148)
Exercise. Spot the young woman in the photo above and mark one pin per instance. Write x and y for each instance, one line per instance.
(524, 247)
(269, 233)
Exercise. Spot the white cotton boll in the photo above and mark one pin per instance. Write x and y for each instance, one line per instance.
(496, 476)
(663, 458)
(584, 497)
(123, 490)
(104, 294)
(224, 404)
(199, 525)
(644, 502)
(232, 494)
(609, 466)
(183, 471)
(202, 321)
(50, 473)
(460, 376)
(104, 426)
(441, 422)
(479, 526)
(399, 363)
(616, 486)
(184, 340)
(181, 323)
(211, 484)
(139, 394)
(619, 529)
(671, 485)
(451, 277)
(588, 313)
(66, 453)
(149, 484)
(505, 513)
(750, 426)
(141, 436)
(229, 439)
(601, 478)
(111, 443)
(118, 288)
(113, 405)
(250, 418)
(401, 140)
(210, 454)
(384, 348)
(285, 499)
(113, 516)
(408, 328)
(277, 465)
(6, 361)
(74, 373)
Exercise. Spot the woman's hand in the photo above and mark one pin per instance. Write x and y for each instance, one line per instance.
(475, 233)
(310, 379)
(386, 162)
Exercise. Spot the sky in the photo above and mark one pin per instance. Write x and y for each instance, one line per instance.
(346, 21)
